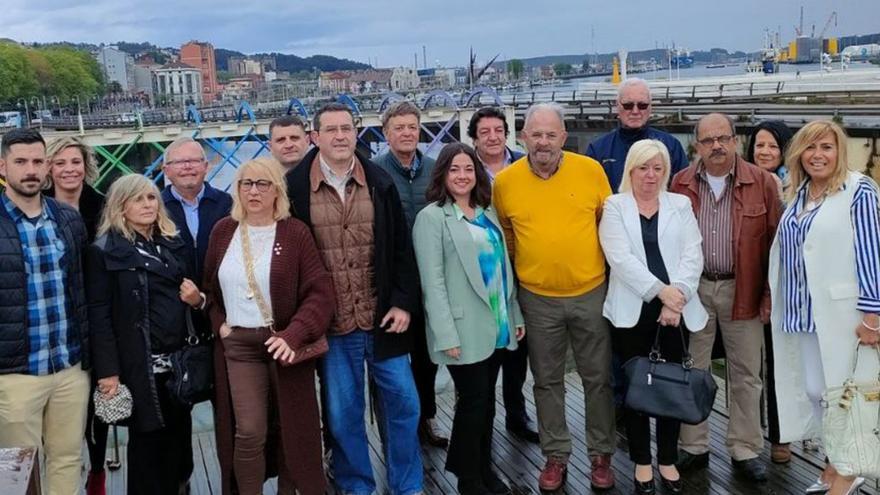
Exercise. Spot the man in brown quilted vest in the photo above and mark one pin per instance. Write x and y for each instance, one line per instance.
(354, 211)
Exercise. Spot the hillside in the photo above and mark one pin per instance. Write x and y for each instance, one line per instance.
(286, 62)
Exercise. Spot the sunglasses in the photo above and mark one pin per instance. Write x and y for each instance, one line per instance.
(630, 104)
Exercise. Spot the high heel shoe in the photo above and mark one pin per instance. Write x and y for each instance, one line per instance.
(818, 487)
(854, 487)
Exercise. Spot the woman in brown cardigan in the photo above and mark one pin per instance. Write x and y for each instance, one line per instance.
(270, 301)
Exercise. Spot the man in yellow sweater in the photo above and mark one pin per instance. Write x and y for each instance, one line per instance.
(549, 204)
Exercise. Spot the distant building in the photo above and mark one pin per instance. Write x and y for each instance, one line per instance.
(404, 79)
(144, 83)
(240, 88)
(436, 78)
(201, 56)
(370, 81)
(117, 66)
(176, 83)
(334, 82)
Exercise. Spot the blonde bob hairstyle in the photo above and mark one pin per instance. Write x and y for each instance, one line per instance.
(803, 139)
(88, 155)
(129, 188)
(640, 153)
(268, 169)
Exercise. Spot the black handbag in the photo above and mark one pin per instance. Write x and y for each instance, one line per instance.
(192, 368)
(669, 390)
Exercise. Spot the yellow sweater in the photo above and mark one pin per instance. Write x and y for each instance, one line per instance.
(552, 225)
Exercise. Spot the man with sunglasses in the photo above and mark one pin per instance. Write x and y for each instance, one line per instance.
(633, 112)
(737, 208)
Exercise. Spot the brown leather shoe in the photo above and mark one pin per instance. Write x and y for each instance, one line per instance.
(780, 453)
(601, 474)
(553, 475)
(430, 433)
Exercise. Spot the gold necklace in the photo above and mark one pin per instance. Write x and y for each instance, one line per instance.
(815, 197)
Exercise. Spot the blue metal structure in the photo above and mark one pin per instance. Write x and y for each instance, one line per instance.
(295, 104)
(388, 99)
(443, 95)
(468, 100)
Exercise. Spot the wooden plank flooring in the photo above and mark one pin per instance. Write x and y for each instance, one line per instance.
(520, 462)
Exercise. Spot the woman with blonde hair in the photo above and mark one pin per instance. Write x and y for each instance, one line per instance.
(270, 303)
(825, 286)
(72, 171)
(139, 294)
(653, 245)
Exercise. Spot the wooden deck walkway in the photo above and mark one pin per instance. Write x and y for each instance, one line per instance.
(520, 462)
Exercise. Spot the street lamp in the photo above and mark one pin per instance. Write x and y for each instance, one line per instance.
(27, 113)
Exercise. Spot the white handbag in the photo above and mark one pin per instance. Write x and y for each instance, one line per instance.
(851, 424)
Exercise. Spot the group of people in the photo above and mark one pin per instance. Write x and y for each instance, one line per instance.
(323, 262)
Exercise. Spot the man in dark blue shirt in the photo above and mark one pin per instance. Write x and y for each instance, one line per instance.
(633, 112)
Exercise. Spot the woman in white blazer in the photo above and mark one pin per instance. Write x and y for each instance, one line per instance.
(653, 245)
(824, 285)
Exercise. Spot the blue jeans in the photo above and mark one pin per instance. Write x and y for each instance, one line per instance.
(343, 372)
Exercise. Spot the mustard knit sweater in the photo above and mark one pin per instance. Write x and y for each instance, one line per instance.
(552, 224)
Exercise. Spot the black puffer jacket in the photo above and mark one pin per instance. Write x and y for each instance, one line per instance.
(14, 339)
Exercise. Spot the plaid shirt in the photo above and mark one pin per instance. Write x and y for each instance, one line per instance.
(52, 347)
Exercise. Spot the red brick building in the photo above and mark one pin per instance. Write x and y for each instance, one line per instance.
(201, 55)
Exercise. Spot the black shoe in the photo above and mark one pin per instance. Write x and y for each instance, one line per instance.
(494, 484)
(472, 486)
(751, 469)
(644, 487)
(690, 462)
(524, 433)
(430, 433)
(671, 486)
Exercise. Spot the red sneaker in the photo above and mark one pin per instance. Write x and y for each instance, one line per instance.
(95, 484)
(601, 474)
(553, 475)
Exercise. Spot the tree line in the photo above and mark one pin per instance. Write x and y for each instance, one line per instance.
(48, 71)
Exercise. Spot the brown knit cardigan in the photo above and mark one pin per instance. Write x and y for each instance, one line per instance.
(303, 300)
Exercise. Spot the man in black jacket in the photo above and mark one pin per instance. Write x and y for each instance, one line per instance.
(355, 213)
(44, 346)
(193, 204)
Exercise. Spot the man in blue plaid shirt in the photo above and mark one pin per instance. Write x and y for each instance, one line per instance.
(44, 382)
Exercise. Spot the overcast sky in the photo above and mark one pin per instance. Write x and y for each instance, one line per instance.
(390, 31)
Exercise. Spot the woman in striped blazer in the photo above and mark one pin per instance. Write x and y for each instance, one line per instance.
(824, 282)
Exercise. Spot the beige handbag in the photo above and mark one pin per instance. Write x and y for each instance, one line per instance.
(851, 424)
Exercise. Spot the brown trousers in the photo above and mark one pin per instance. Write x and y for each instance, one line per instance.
(253, 380)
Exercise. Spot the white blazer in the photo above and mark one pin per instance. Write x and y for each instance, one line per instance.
(631, 283)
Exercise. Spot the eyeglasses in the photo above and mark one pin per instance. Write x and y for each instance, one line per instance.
(630, 104)
(184, 162)
(262, 185)
(722, 140)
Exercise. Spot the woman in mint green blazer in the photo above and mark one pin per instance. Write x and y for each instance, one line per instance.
(472, 314)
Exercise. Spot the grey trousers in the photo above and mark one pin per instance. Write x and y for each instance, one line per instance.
(552, 324)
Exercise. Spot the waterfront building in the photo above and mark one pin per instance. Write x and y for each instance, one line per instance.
(201, 56)
(177, 83)
(117, 66)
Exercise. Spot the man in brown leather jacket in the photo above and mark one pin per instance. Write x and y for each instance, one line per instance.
(737, 208)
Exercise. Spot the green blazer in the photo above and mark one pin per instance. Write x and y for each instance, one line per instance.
(456, 302)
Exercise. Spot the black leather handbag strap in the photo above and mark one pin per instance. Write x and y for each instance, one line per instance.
(687, 362)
